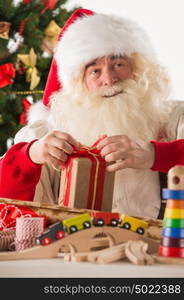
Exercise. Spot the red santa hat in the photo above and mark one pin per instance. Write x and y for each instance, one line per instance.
(88, 35)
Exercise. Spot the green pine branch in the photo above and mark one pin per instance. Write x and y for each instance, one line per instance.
(33, 34)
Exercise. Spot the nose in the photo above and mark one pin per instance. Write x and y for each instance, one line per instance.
(108, 77)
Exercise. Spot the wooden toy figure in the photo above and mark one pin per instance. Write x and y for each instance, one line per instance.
(74, 224)
(172, 242)
(101, 218)
(53, 233)
(133, 224)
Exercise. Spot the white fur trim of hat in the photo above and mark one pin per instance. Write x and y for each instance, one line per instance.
(96, 36)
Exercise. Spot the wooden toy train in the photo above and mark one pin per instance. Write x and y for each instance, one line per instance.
(59, 229)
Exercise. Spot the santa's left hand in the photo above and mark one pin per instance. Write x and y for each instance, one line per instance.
(121, 152)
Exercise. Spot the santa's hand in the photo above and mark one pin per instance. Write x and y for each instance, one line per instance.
(53, 148)
(121, 152)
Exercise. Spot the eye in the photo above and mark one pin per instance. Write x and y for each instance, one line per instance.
(95, 72)
(120, 65)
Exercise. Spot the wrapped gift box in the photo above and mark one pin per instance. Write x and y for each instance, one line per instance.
(85, 183)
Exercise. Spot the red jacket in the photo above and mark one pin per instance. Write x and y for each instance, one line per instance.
(18, 174)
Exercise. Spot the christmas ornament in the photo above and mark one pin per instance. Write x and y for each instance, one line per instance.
(51, 36)
(4, 30)
(20, 67)
(9, 142)
(16, 2)
(13, 44)
(50, 4)
(29, 61)
(7, 72)
(26, 103)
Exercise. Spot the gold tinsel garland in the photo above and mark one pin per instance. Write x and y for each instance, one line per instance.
(28, 92)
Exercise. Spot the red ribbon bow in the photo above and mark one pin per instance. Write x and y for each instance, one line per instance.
(7, 71)
(84, 151)
(9, 213)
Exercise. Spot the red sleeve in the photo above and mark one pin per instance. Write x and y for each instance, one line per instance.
(168, 155)
(18, 174)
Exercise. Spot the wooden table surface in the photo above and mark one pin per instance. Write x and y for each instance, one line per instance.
(58, 268)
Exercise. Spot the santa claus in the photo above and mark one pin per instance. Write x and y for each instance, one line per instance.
(104, 79)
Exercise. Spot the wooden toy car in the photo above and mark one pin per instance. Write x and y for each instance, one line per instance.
(77, 223)
(133, 224)
(105, 218)
(53, 233)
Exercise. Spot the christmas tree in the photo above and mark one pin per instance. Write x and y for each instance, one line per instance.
(28, 34)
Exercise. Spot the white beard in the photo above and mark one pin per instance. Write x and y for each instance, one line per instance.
(87, 116)
(137, 112)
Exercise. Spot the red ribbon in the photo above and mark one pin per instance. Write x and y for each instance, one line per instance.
(93, 154)
(23, 117)
(9, 213)
(7, 71)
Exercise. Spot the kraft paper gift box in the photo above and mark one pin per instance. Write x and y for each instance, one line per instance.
(85, 183)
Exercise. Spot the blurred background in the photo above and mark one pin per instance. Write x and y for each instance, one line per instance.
(28, 35)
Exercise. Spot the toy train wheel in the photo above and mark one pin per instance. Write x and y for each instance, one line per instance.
(59, 234)
(126, 225)
(140, 230)
(100, 222)
(114, 222)
(87, 224)
(46, 241)
(73, 229)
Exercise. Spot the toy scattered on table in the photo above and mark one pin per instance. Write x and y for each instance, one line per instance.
(53, 233)
(100, 218)
(133, 224)
(121, 220)
(74, 224)
(172, 242)
(86, 220)
(135, 251)
(87, 238)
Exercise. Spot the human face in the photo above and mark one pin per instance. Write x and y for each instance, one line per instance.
(107, 71)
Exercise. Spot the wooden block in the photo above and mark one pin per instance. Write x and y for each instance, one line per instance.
(171, 203)
(136, 253)
(172, 242)
(175, 175)
(175, 213)
(175, 223)
(173, 232)
(171, 251)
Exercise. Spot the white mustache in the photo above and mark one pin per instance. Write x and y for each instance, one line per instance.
(111, 91)
(118, 88)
